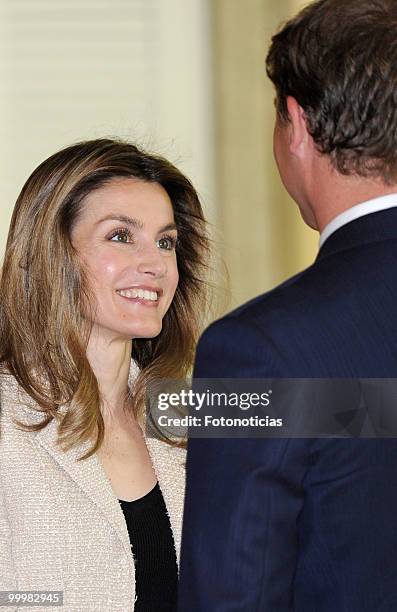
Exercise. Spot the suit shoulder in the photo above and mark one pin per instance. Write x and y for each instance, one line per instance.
(283, 302)
(268, 332)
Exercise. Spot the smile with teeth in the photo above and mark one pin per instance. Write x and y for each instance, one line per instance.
(142, 294)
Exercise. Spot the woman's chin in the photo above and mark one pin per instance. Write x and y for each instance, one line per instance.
(146, 331)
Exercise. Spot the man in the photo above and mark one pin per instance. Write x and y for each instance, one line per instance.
(310, 525)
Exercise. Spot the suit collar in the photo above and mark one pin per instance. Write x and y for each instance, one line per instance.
(355, 212)
(375, 227)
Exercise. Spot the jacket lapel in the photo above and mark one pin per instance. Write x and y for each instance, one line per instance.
(169, 466)
(89, 476)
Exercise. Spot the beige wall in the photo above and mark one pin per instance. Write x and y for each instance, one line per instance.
(76, 69)
(262, 236)
(184, 78)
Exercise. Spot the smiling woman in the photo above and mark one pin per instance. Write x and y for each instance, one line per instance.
(132, 268)
(102, 290)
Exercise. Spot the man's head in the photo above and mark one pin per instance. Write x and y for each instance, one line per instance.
(334, 68)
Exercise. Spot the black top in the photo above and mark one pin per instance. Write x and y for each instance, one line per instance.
(156, 573)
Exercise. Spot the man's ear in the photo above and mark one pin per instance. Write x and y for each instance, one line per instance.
(299, 136)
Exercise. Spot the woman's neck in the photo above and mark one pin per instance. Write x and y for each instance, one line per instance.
(110, 360)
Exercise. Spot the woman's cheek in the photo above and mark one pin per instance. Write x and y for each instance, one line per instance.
(104, 266)
(173, 291)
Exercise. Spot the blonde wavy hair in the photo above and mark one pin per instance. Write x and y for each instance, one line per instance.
(45, 293)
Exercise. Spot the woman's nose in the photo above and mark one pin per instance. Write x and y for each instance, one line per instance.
(152, 262)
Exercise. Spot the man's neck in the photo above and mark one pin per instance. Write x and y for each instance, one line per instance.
(337, 193)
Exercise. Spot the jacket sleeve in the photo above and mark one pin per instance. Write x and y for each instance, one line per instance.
(243, 496)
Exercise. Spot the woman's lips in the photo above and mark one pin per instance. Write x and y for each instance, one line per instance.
(144, 295)
(147, 293)
(142, 301)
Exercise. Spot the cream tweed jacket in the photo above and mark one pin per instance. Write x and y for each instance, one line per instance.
(61, 525)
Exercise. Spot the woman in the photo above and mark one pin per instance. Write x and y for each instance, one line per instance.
(104, 261)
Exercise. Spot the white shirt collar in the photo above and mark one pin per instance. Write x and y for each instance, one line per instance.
(365, 208)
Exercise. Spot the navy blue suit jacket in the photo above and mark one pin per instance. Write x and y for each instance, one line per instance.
(308, 525)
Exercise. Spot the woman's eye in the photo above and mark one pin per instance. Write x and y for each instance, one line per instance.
(167, 243)
(120, 236)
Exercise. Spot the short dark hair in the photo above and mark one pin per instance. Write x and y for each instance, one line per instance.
(338, 59)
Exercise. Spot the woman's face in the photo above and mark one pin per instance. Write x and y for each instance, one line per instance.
(126, 237)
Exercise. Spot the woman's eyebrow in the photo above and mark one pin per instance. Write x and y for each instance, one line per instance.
(123, 219)
(135, 223)
(168, 227)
